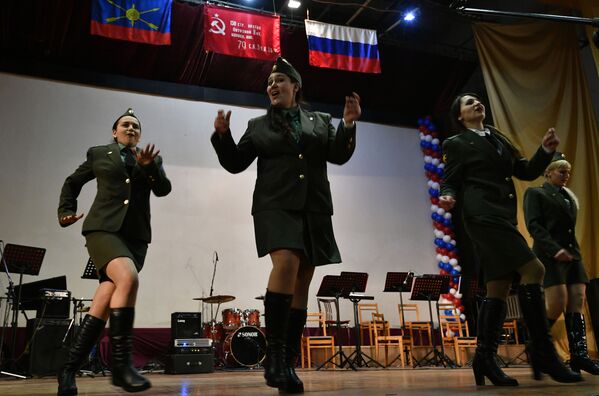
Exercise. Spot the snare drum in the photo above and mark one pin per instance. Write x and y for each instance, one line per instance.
(246, 346)
(251, 317)
(231, 319)
(214, 331)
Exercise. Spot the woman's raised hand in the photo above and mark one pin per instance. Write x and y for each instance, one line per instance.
(221, 123)
(550, 140)
(352, 110)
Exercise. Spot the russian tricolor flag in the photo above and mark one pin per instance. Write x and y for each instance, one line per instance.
(342, 47)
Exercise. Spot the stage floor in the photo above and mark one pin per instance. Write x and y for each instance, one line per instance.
(371, 382)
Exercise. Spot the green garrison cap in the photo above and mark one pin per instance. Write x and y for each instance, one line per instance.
(130, 113)
(283, 66)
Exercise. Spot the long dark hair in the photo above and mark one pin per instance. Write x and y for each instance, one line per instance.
(457, 126)
(276, 120)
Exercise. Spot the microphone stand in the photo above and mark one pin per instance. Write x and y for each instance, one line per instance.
(215, 260)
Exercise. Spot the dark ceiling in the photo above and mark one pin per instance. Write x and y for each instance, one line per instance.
(424, 63)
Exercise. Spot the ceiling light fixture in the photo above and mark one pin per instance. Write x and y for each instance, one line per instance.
(294, 4)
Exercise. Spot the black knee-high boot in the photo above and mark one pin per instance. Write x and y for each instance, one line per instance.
(297, 321)
(490, 322)
(89, 332)
(577, 338)
(276, 315)
(121, 338)
(541, 351)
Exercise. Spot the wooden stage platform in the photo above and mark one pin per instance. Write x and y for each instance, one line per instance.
(370, 382)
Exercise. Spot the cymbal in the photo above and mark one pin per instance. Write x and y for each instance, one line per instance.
(219, 299)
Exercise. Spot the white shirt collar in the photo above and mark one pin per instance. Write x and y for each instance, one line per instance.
(481, 132)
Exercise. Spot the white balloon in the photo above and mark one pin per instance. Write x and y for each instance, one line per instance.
(428, 138)
(441, 165)
(446, 238)
(453, 242)
(436, 185)
(435, 161)
(430, 183)
(463, 317)
(457, 311)
(445, 259)
(453, 262)
(434, 208)
(458, 295)
(439, 257)
(435, 141)
(458, 268)
(447, 215)
(428, 159)
(441, 211)
(452, 291)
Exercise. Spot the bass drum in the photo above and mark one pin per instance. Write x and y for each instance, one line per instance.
(246, 347)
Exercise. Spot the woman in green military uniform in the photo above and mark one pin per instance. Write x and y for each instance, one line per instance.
(292, 205)
(479, 165)
(117, 233)
(550, 211)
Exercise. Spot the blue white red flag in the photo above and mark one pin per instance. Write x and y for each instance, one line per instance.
(342, 47)
(142, 21)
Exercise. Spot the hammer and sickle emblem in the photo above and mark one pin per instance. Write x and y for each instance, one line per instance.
(217, 26)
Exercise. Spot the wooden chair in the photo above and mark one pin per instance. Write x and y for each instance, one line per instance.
(327, 307)
(456, 334)
(381, 333)
(364, 316)
(510, 325)
(318, 341)
(417, 326)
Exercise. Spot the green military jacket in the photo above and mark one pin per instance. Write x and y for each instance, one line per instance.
(482, 178)
(118, 192)
(550, 222)
(291, 175)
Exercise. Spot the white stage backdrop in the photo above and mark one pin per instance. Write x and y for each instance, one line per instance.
(382, 216)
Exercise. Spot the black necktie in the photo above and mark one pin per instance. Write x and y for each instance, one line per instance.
(129, 159)
(495, 142)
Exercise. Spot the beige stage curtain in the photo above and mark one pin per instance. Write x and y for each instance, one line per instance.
(535, 80)
(588, 9)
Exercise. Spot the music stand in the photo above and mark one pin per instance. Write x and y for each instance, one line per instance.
(427, 287)
(356, 286)
(333, 286)
(24, 260)
(90, 272)
(399, 282)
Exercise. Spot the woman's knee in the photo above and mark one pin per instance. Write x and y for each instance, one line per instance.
(532, 272)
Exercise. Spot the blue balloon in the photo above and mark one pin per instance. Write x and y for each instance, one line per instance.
(448, 312)
(440, 265)
(454, 272)
(456, 279)
(448, 246)
(435, 147)
(432, 127)
(420, 121)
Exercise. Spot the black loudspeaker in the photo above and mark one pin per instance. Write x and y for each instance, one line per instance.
(47, 352)
(189, 363)
(186, 325)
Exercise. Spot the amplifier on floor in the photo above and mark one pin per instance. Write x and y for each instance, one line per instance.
(47, 351)
(189, 363)
(192, 342)
(186, 325)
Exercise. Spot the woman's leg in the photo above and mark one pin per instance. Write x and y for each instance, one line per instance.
(297, 321)
(85, 339)
(556, 299)
(490, 323)
(542, 354)
(123, 274)
(576, 329)
(277, 304)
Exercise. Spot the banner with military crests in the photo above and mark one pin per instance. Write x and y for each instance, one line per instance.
(243, 34)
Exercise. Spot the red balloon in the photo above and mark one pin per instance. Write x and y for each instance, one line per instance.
(443, 272)
(435, 200)
(461, 308)
(450, 297)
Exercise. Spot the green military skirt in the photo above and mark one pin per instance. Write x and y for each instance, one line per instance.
(564, 273)
(311, 233)
(106, 246)
(499, 246)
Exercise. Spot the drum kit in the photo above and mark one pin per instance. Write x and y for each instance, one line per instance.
(237, 340)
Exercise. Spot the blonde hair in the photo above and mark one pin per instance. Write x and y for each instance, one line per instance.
(559, 164)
